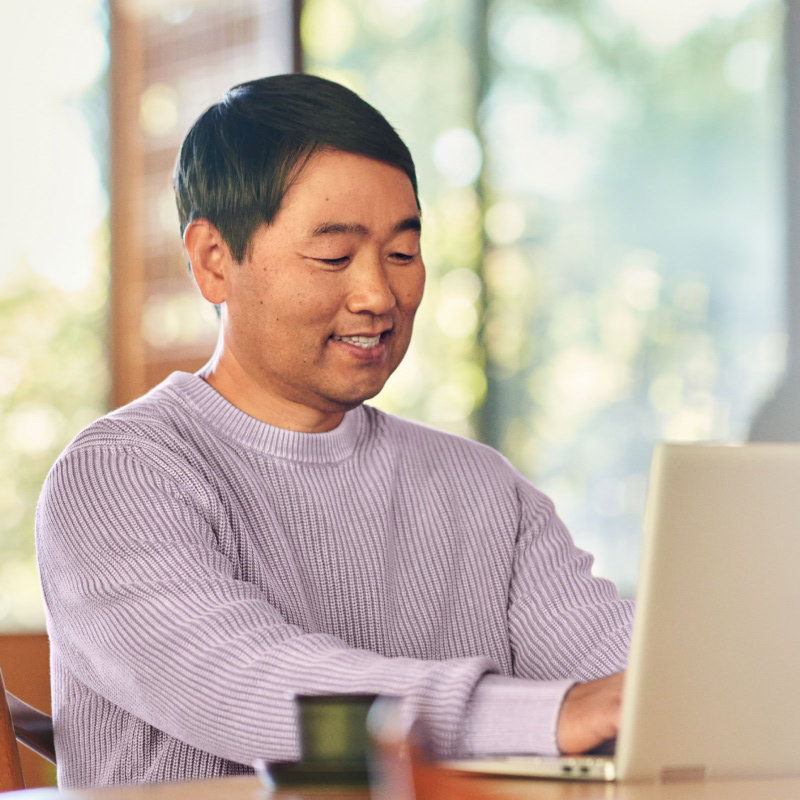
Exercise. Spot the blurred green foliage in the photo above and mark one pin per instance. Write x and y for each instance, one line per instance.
(53, 382)
(601, 191)
(53, 266)
(601, 204)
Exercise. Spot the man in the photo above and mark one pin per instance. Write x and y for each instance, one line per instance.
(253, 531)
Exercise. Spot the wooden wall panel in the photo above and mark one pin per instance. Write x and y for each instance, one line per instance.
(25, 662)
(169, 61)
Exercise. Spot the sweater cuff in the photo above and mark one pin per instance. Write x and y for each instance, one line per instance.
(513, 716)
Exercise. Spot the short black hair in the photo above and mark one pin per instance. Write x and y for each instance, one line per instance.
(238, 159)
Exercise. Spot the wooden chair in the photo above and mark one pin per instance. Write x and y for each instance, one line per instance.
(20, 722)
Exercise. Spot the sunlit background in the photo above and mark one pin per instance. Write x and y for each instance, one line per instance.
(602, 198)
(53, 262)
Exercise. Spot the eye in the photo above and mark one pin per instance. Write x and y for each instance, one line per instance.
(402, 258)
(334, 262)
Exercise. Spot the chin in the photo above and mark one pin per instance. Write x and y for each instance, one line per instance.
(351, 400)
(351, 395)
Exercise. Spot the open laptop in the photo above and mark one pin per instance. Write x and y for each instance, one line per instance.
(713, 683)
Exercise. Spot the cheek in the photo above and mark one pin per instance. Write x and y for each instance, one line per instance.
(408, 291)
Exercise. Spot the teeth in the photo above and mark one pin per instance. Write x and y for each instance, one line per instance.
(359, 341)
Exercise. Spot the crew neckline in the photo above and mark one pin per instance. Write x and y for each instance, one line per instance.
(234, 424)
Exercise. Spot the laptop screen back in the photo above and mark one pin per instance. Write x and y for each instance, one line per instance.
(712, 684)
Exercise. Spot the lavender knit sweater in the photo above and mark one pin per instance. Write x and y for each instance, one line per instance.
(199, 567)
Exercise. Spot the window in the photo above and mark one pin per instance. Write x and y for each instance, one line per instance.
(621, 160)
(74, 341)
(172, 61)
(53, 266)
(602, 225)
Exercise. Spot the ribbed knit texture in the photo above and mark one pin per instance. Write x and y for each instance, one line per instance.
(200, 567)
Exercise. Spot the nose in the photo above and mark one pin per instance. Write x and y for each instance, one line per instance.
(370, 289)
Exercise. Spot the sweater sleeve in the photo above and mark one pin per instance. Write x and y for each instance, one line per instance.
(565, 626)
(564, 622)
(514, 716)
(146, 611)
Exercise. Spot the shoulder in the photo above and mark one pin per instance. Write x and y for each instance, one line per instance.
(460, 461)
(154, 428)
(433, 450)
(458, 473)
(428, 440)
(165, 408)
(155, 446)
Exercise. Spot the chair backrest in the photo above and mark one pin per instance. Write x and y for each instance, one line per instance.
(10, 767)
(20, 722)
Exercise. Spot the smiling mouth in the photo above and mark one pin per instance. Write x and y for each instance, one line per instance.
(364, 342)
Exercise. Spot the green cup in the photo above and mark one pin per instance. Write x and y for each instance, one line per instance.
(333, 728)
(334, 739)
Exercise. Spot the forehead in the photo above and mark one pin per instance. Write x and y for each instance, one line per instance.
(334, 186)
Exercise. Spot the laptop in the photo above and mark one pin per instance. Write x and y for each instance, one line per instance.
(712, 688)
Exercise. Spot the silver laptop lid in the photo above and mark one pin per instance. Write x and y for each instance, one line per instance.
(712, 684)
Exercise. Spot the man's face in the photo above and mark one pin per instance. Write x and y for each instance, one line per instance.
(320, 311)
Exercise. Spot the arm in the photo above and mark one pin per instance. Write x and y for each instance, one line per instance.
(569, 632)
(563, 621)
(149, 612)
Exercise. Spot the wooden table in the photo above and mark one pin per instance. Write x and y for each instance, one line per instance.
(450, 786)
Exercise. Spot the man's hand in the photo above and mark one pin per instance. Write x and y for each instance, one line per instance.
(590, 714)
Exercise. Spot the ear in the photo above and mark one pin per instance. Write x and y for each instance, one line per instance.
(210, 258)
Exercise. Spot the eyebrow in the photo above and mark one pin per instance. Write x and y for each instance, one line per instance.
(326, 228)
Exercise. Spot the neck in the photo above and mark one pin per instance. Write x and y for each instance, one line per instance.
(224, 374)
